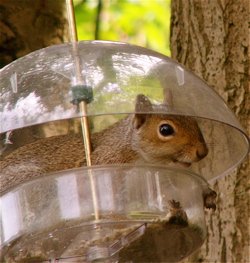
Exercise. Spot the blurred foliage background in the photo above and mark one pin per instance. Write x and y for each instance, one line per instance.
(142, 22)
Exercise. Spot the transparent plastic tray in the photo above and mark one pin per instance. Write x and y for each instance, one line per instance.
(111, 213)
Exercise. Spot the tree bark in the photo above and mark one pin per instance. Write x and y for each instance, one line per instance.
(211, 39)
(27, 25)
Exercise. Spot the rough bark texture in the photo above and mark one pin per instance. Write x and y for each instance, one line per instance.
(210, 37)
(27, 25)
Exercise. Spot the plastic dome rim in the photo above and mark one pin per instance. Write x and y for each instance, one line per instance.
(181, 171)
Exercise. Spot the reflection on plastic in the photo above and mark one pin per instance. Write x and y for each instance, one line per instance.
(11, 214)
(69, 203)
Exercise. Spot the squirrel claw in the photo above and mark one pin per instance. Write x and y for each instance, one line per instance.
(174, 205)
(209, 199)
(177, 215)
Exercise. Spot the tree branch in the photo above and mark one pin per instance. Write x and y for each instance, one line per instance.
(98, 19)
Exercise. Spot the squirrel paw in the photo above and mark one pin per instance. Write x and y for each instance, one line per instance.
(177, 215)
(209, 198)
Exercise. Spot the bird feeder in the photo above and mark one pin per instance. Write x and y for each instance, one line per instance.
(130, 212)
(110, 213)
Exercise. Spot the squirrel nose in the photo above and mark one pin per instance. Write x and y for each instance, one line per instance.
(202, 152)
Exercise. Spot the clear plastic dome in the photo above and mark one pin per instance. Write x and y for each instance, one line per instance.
(37, 89)
(105, 214)
(119, 213)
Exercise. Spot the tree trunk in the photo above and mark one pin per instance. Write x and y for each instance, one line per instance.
(211, 39)
(27, 25)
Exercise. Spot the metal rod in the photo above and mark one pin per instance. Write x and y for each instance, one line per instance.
(82, 104)
(72, 21)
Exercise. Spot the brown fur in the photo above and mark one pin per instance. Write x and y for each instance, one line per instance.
(182, 147)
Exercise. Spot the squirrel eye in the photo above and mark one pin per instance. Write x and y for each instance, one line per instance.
(166, 130)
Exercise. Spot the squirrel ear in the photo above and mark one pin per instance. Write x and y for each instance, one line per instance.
(143, 107)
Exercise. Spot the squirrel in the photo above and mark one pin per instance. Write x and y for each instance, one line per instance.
(144, 137)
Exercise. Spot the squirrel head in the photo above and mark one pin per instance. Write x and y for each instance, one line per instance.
(161, 138)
